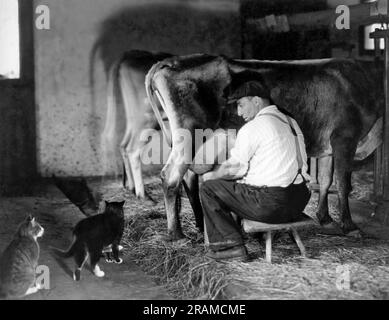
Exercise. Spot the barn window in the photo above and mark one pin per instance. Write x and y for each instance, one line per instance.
(369, 43)
(9, 39)
(366, 44)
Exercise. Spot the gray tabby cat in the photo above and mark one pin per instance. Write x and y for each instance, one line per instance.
(19, 261)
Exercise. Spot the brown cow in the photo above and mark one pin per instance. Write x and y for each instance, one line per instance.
(335, 102)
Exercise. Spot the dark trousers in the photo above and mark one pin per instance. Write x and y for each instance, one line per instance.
(269, 205)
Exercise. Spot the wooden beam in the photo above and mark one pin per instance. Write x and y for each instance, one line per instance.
(215, 5)
(378, 34)
(374, 20)
(318, 19)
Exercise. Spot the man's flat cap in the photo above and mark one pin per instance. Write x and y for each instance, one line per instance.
(247, 89)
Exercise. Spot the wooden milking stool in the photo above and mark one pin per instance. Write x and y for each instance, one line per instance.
(250, 226)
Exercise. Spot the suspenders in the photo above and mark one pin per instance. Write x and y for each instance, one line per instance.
(298, 150)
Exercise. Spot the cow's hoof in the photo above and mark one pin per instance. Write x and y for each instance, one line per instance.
(325, 220)
(357, 234)
(176, 236)
(149, 198)
(148, 201)
(172, 237)
(181, 242)
(349, 228)
(331, 229)
(129, 190)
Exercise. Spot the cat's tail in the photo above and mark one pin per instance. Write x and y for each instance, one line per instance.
(66, 253)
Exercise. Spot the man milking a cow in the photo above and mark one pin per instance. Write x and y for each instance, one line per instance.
(263, 180)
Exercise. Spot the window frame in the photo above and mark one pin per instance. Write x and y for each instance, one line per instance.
(26, 46)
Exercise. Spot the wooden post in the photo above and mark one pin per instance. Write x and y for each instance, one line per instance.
(378, 183)
(382, 210)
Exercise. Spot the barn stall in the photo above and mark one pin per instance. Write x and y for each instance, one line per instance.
(54, 89)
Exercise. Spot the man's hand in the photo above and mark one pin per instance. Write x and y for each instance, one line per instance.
(207, 176)
(228, 170)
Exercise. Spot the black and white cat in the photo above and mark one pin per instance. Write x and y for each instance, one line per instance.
(19, 261)
(92, 235)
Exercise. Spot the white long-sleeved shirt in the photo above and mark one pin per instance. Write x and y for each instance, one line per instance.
(267, 147)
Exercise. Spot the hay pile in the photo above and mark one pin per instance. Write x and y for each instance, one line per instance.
(187, 274)
(182, 268)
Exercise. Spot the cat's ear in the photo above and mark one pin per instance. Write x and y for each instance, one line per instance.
(106, 202)
(30, 218)
(121, 204)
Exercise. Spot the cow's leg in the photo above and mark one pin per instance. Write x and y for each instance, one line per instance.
(191, 186)
(325, 177)
(172, 175)
(130, 103)
(133, 151)
(135, 147)
(127, 174)
(344, 150)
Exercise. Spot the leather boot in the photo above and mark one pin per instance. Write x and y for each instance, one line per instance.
(238, 253)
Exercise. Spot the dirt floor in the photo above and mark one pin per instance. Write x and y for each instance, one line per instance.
(180, 271)
(57, 215)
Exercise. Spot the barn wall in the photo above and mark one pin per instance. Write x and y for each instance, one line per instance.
(68, 123)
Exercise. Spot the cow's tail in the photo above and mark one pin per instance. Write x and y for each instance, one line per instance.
(155, 98)
(109, 136)
(368, 145)
(92, 62)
